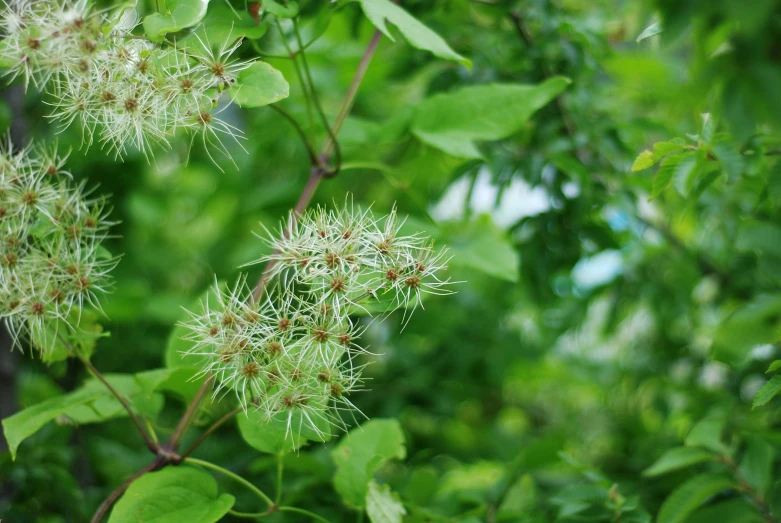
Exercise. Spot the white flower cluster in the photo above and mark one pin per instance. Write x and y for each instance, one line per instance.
(119, 87)
(51, 262)
(292, 355)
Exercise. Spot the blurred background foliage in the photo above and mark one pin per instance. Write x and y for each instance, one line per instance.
(595, 326)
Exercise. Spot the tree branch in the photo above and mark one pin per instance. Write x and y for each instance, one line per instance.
(184, 422)
(114, 496)
(318, 171)
(352, 91)
(151, 445)
(569, 124)
(217, 424)
(309, 150)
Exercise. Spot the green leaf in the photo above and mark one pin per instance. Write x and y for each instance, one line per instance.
(482, 246)
(774, 366)
(106, 406)
(453, 121)
(274, 436)
(51, 339)
(662, 149)
(749, 325)
(281, 11)
(707, 434)
(729, 158)
(651, 30)
(417, 34)
(774, 499)
(180, 380)
(644, 160)
(361, 453)
(587, 492)
(223, 24)
(177, 15)
(172, 495)
(27, 422)
(91, 403)
(757, 463)
(706, 131)
(678, 458)
(6, 59)
(762, 236)
(649, 157)
(260, 85)
(768, 391)
(382, 505)
(678, 165)
(731, 511)
(519, 500)
(690, 495)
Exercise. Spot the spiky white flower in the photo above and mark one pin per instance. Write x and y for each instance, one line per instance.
(295, 354)
(120, 89)
(51, 263)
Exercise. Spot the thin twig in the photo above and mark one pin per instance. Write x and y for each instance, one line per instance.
(352, 90)
(569, 124)
(301, 80)
(309, 150)
(280, 469)
(705, 266)
(315, 177)
(304, 512)
(151, 445)
(184, 422)
(114, 496)
(318, 173)
(319, 106)
(206, 464)
(217, 424)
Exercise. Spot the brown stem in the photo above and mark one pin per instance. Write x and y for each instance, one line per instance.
(168, 455)
(352, 90)
(744, 486)
(217, 424)
(318, 169)
(315, 177)
(114, 496)
(181, 427)
(705, 266)
(309, 150)
(151, 445)
(569, 125)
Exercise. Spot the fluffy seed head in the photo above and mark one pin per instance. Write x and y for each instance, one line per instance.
(121, 90)
(300, 346)
(52, 266)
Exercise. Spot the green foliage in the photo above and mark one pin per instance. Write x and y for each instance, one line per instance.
(768, 391)
(607, 177)
(453, 121)
(481, 246)
(288, 10)
(279, 434)
(382, 505)
(678, 458)
(223, 24)
(92, 403)
(172, 495)
(175, 15)
(416, 33)
(360, 454)
(260, 84)
(690, 495)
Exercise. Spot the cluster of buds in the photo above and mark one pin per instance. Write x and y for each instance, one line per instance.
(51, 262)
(118, 87)
(293, 353)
